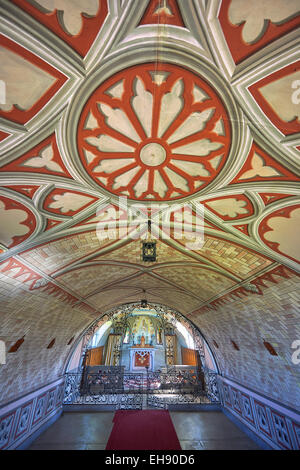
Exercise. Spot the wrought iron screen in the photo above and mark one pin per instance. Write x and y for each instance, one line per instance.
(113, 386)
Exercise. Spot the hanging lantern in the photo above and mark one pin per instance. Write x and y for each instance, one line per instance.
(149, 247)
(149, 251)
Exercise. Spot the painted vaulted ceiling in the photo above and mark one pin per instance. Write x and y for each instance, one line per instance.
(160, 101)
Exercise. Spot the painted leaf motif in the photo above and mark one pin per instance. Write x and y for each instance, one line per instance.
(45, 160)
(259, 169)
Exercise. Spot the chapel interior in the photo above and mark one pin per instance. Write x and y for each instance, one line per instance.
(149, 225)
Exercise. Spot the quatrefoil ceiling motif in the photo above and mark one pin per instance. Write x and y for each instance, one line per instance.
(154, 135)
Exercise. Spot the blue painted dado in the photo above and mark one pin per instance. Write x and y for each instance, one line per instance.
(275, 425)
(25, 419)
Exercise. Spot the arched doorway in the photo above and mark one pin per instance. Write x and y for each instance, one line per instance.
(141, 355)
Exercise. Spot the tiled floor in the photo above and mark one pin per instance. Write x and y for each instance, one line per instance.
(77, 431)
(203, 430)
(209, 430)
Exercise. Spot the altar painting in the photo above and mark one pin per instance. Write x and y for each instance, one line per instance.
(143, 329)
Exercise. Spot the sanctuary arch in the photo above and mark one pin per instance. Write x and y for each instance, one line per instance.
(136, 338)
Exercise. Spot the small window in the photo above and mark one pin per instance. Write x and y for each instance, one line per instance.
(215, 344)
(235, 345)
(270, 348)
(127, 336)
(51, 344)
(70, 341)
(15, 347)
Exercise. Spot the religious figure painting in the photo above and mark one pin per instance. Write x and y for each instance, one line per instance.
(143, 328)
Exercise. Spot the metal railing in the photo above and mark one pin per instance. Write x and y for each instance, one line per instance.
(114, 386)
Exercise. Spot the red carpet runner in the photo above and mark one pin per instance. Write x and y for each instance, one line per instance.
(143, 430)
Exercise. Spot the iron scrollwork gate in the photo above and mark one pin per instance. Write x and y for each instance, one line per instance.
(115, 387)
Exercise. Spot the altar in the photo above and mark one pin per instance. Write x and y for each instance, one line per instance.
(140, 358)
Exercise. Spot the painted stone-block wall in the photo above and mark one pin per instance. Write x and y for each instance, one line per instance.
(41, 318)
(248, 321)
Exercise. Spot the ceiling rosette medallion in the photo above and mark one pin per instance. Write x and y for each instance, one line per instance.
(152, 134)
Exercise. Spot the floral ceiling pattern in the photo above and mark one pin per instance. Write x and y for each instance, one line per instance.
(154, 134)
(164, 103)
